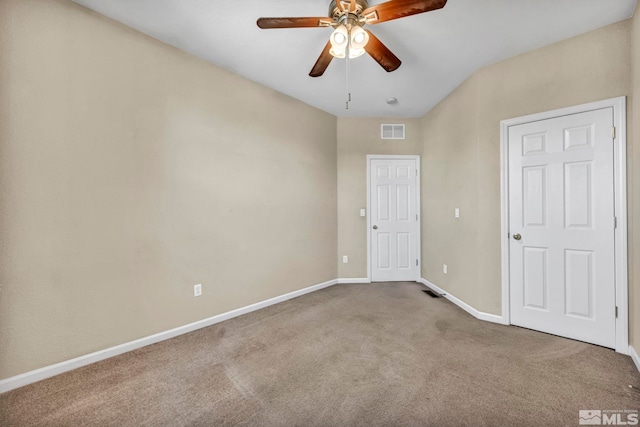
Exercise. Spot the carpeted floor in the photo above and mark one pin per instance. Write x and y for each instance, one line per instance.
(351, 355)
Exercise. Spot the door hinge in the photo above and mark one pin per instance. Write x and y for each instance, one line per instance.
(613, 133)
(615, 222)
(616, 311)
(416, 217)
(416, 262)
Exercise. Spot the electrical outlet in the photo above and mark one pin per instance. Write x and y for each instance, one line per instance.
(345, 259)
(197, 290)
(363, 212)
(457, 213)
(444, 268)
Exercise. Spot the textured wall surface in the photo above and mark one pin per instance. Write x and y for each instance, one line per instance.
(130, 171)
(358, 137)
(461, 151)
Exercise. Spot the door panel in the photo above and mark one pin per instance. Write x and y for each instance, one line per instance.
(577, 195)
(535, 278)
(535, 196)
(384, 251)
(402, 202)
(579, 283)
(561, 203)
(395, 239)
(404, 250)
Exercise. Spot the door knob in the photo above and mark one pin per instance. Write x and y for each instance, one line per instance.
(375, 227)
(517, 236)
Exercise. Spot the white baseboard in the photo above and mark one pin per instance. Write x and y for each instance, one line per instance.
(635, 357)
(68, 365)
(487, 317)
(493, 318)
(354, 280)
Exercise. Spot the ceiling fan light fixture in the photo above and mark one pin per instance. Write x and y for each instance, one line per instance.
(359, 38)
(337, 53)
(349, 39)
(354, 53)
(339, 40)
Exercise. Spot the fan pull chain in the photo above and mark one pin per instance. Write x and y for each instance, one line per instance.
(348, 66)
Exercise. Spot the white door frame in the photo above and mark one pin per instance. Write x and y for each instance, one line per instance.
(620, 194)
(392, 157)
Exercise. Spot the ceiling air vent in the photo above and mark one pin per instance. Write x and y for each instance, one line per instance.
(392, 131)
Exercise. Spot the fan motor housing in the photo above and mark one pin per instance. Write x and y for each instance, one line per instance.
(335, 12)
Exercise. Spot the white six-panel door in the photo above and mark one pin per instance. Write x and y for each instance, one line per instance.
(561, 226)
(394, 233)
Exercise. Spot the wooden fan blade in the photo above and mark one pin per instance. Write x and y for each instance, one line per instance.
(399, 9)
(323, 62)
(381, 54)
(268, 23)
(352, 6)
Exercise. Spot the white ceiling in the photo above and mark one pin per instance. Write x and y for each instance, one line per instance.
(439, 49)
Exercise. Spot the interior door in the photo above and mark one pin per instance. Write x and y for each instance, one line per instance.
(561, 226)
(394, 233)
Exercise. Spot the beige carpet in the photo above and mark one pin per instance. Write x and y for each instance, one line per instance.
(365, 355)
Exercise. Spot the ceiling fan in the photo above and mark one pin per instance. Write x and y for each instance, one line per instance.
(349, 39)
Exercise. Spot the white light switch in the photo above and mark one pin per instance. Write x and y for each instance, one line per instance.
(362, 212)
(345, 259)
(457, 213)
(444, 268)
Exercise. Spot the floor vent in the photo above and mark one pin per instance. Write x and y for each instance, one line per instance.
(431, 293)
(392, 131)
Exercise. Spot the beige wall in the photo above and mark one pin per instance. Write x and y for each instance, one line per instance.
(358, 137)
(461, 154)
(633, 145)
(130, 171)
(450, 174)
